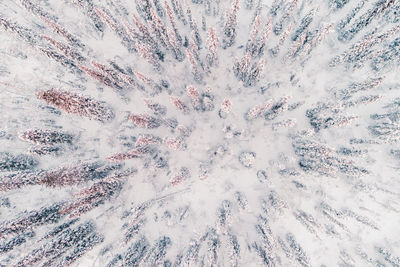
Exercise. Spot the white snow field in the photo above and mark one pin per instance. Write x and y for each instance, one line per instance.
(199, 133)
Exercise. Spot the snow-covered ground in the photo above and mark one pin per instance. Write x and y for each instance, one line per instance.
(199, 133)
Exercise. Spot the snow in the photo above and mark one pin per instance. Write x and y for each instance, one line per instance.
(278, 155)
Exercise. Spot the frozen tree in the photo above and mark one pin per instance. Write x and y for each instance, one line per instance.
(212, 45)
(76, 104)
(183, 133)
(229, 30)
